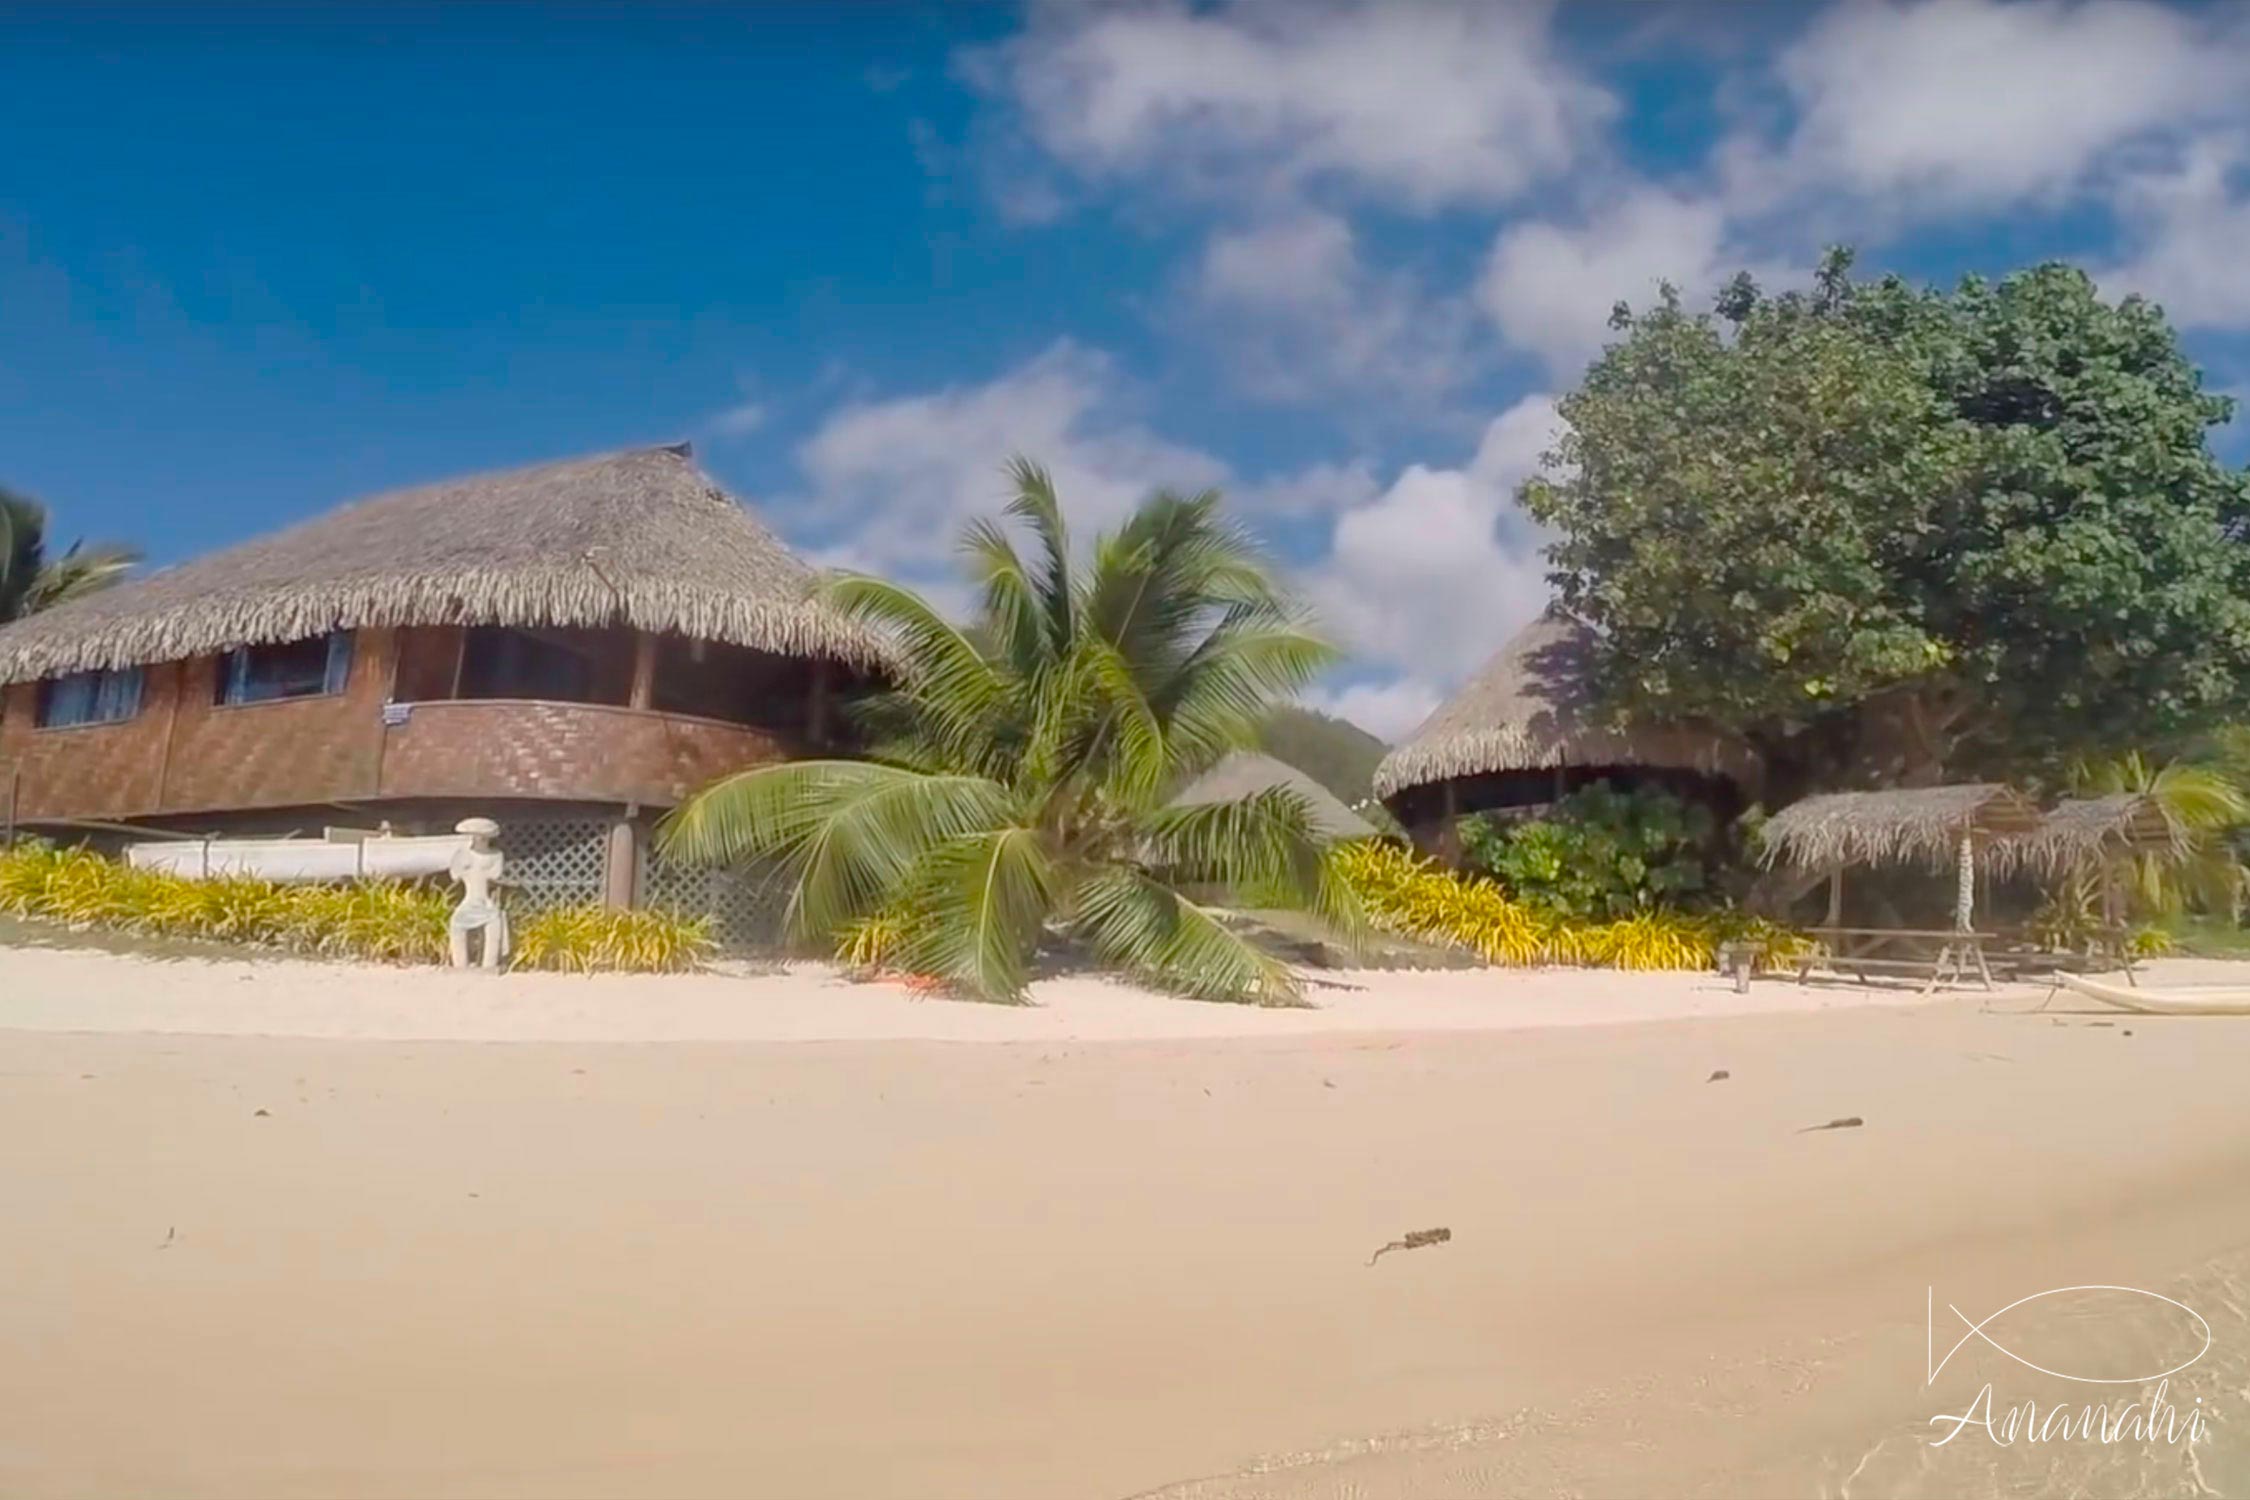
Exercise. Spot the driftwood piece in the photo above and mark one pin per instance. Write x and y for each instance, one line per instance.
(1414, 1241)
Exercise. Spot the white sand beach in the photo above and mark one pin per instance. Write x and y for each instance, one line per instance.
(68, 988)
(281, 1229)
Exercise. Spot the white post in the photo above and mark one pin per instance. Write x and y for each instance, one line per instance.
(1965, 892)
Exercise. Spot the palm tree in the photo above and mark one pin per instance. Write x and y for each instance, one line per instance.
(1016, 790)
(30, 580)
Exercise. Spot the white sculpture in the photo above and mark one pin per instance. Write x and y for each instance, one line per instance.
(478, 869)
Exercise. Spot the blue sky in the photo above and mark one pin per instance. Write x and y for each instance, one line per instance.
(1336, 258)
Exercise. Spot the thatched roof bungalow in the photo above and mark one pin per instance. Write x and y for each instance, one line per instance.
(641, 538)
(1526, 729)
(581, 641)
(1247, 772)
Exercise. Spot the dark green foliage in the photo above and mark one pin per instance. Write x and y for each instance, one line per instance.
(1887, 530)
(1599, 853)
(1338, 754)
(32, 577)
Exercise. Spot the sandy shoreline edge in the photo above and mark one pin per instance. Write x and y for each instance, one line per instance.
(71, 989)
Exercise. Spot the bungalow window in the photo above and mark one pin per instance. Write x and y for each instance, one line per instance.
(560, 665)
(89, 698)
(308, 668)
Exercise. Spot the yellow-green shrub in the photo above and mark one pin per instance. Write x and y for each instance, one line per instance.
(383, 920)
(386, 920)
(589, 939)
(1420, 898)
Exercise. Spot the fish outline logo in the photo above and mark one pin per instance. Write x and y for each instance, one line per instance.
(1976, 1330)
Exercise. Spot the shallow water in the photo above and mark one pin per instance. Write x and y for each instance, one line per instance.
(2204, 1449)
(1816, 1422)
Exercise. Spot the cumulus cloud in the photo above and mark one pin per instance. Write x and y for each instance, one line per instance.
(1390, 709)
(1420, 578)
(1423, 581)
(893, 479)
(2190, 225)
(1424, 104)
(1550, 286)
(1949, 105)
(1297, 313)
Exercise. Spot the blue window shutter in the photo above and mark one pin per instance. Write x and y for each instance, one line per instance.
(339, 662)
(234, 676)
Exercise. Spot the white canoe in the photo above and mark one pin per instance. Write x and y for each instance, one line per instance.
(2214, 1001)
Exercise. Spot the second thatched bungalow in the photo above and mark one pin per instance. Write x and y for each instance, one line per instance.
(568, 648)
(1525, 731)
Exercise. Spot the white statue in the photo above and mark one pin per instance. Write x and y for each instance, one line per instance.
(478, 869)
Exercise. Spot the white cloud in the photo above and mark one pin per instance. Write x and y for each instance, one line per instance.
(1426, 104)
(1297, 314)
(739, 420)
(1425, 580)
(1421, 579)
(893, 480)
(2191, 225)
(1971, 104)
(1550, 286)
(1390, 710)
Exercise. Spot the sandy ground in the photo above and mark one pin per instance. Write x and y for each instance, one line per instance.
(249, 1265)
(80, 989)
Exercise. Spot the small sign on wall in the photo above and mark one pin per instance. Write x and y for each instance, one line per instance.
(395, 714)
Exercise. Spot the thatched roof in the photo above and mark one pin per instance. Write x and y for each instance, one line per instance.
(1247, 772)
(1531, 708)
(2082, 828)
(642, 537)
(1916, 824)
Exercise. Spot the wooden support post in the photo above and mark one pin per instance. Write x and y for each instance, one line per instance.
(621, 867)
(816, 705)
(644, 670)
(1836, 897)
(1965, 883)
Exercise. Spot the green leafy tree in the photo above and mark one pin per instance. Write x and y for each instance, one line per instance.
(31, 579)
(1894, 532)
(1022, 766)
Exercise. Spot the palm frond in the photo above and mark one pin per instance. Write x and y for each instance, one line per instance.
(1036, 504)
(1222, 693)
(847, 832)
(947, 681)
(1265, 849)
(1132, 920)
(982, 902)
(1012, 610)
(81, 570)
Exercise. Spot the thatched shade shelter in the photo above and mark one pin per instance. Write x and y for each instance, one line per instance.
(2082, 830)
(1246, 773)
(1525, 729)
(1936, 825)
(641, 538)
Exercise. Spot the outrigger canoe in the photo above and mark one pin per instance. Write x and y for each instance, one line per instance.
(2205, 1002)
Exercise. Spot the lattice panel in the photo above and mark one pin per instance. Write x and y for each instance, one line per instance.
(553, 861)
(746, 906)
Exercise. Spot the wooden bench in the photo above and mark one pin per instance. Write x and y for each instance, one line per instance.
(1859, 950)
